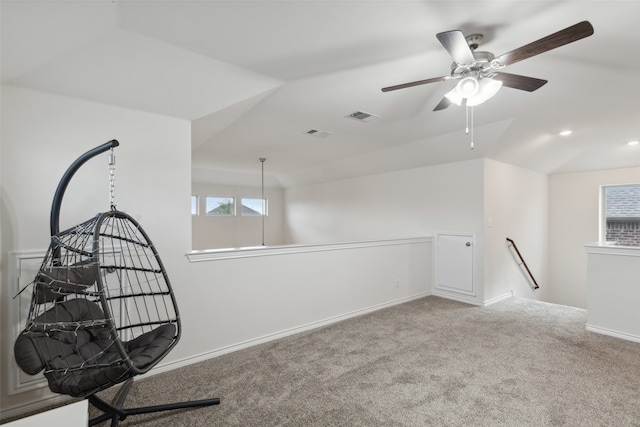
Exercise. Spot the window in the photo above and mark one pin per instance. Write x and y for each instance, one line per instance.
(194, 205)
(621, 214)
(221, 206)
(254, 207)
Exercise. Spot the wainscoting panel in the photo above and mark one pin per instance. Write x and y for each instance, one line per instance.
(23, 267)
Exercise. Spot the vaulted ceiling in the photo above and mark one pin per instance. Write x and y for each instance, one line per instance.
(254, 76)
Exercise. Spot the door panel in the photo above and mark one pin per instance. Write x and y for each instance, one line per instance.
(454, 268)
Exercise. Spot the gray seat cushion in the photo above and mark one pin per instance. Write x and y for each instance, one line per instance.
(82, 360)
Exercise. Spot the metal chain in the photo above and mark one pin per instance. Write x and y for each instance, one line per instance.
(469, 123)
(471, 128)
(112, 179)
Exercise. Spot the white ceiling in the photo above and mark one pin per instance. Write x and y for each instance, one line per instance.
(254, 76)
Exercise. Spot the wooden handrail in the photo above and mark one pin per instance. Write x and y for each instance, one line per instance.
(523, 262)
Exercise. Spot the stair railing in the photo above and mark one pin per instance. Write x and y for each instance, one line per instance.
(522, 262)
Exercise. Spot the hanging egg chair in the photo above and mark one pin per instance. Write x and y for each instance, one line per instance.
(102, 309)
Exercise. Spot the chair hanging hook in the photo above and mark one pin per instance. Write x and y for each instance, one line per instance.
(112, 179)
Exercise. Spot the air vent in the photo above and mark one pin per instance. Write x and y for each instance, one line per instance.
(362, 116)
(318, 133)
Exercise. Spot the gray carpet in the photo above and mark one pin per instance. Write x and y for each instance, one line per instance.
(427, 362)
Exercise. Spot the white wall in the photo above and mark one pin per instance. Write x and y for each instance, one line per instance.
(516, 206)
(248, 299)
(455, 197)
(573, 222)
(243, 300)
(42, 135)
(408, 203)
(224, 304)
(613, 297)
(411, 202)
(211, 232)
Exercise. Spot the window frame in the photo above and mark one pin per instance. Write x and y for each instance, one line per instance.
(197, 205)
(602, 220)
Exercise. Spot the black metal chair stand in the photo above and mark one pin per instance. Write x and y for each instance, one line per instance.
(117, 413)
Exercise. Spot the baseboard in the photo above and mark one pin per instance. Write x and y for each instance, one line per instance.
(469, 299)
(612, 333)
(36, 406)
(277, 335)
(497, 299)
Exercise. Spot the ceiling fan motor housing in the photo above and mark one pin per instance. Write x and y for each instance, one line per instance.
(474, 41)
(482, 62)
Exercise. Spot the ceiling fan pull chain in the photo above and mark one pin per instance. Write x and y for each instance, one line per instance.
(469, 122)
(471, 127)
(466, 128)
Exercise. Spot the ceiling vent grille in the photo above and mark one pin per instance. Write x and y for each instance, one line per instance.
(363, 116)
(318, 133)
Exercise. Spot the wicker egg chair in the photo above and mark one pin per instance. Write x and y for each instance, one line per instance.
(102, 309)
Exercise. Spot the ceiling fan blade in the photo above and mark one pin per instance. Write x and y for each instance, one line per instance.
(568, 35)
(456, 44)
(442, 104)
(516, 81)
(416, 83)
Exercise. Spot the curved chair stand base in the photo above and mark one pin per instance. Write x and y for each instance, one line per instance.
(116, 413)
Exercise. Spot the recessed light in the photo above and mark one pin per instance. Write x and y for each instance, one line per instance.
(633, 142)
(566, 132)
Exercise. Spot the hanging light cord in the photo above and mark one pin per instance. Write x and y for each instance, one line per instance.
(262, 160)
(469, 124)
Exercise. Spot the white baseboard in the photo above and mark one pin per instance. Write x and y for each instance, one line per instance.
(497, 299)
(469, 299)
(612, 333)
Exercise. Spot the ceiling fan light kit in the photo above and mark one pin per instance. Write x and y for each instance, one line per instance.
(488, 88)
(474, 90)
(467, 87)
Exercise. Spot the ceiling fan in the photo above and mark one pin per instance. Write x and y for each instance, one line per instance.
(478, 71)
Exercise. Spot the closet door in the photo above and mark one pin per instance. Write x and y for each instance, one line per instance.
(454, 262)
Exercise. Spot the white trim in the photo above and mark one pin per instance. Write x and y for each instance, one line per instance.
(462, 298)
(612, 333)
(455, 296)
(604, 248)
(602, 217)
(455, 290)
(19, 381)
(277, 335)
(261, 251)
(497, 299)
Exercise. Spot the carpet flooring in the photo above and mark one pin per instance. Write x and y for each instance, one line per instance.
(428, 362)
